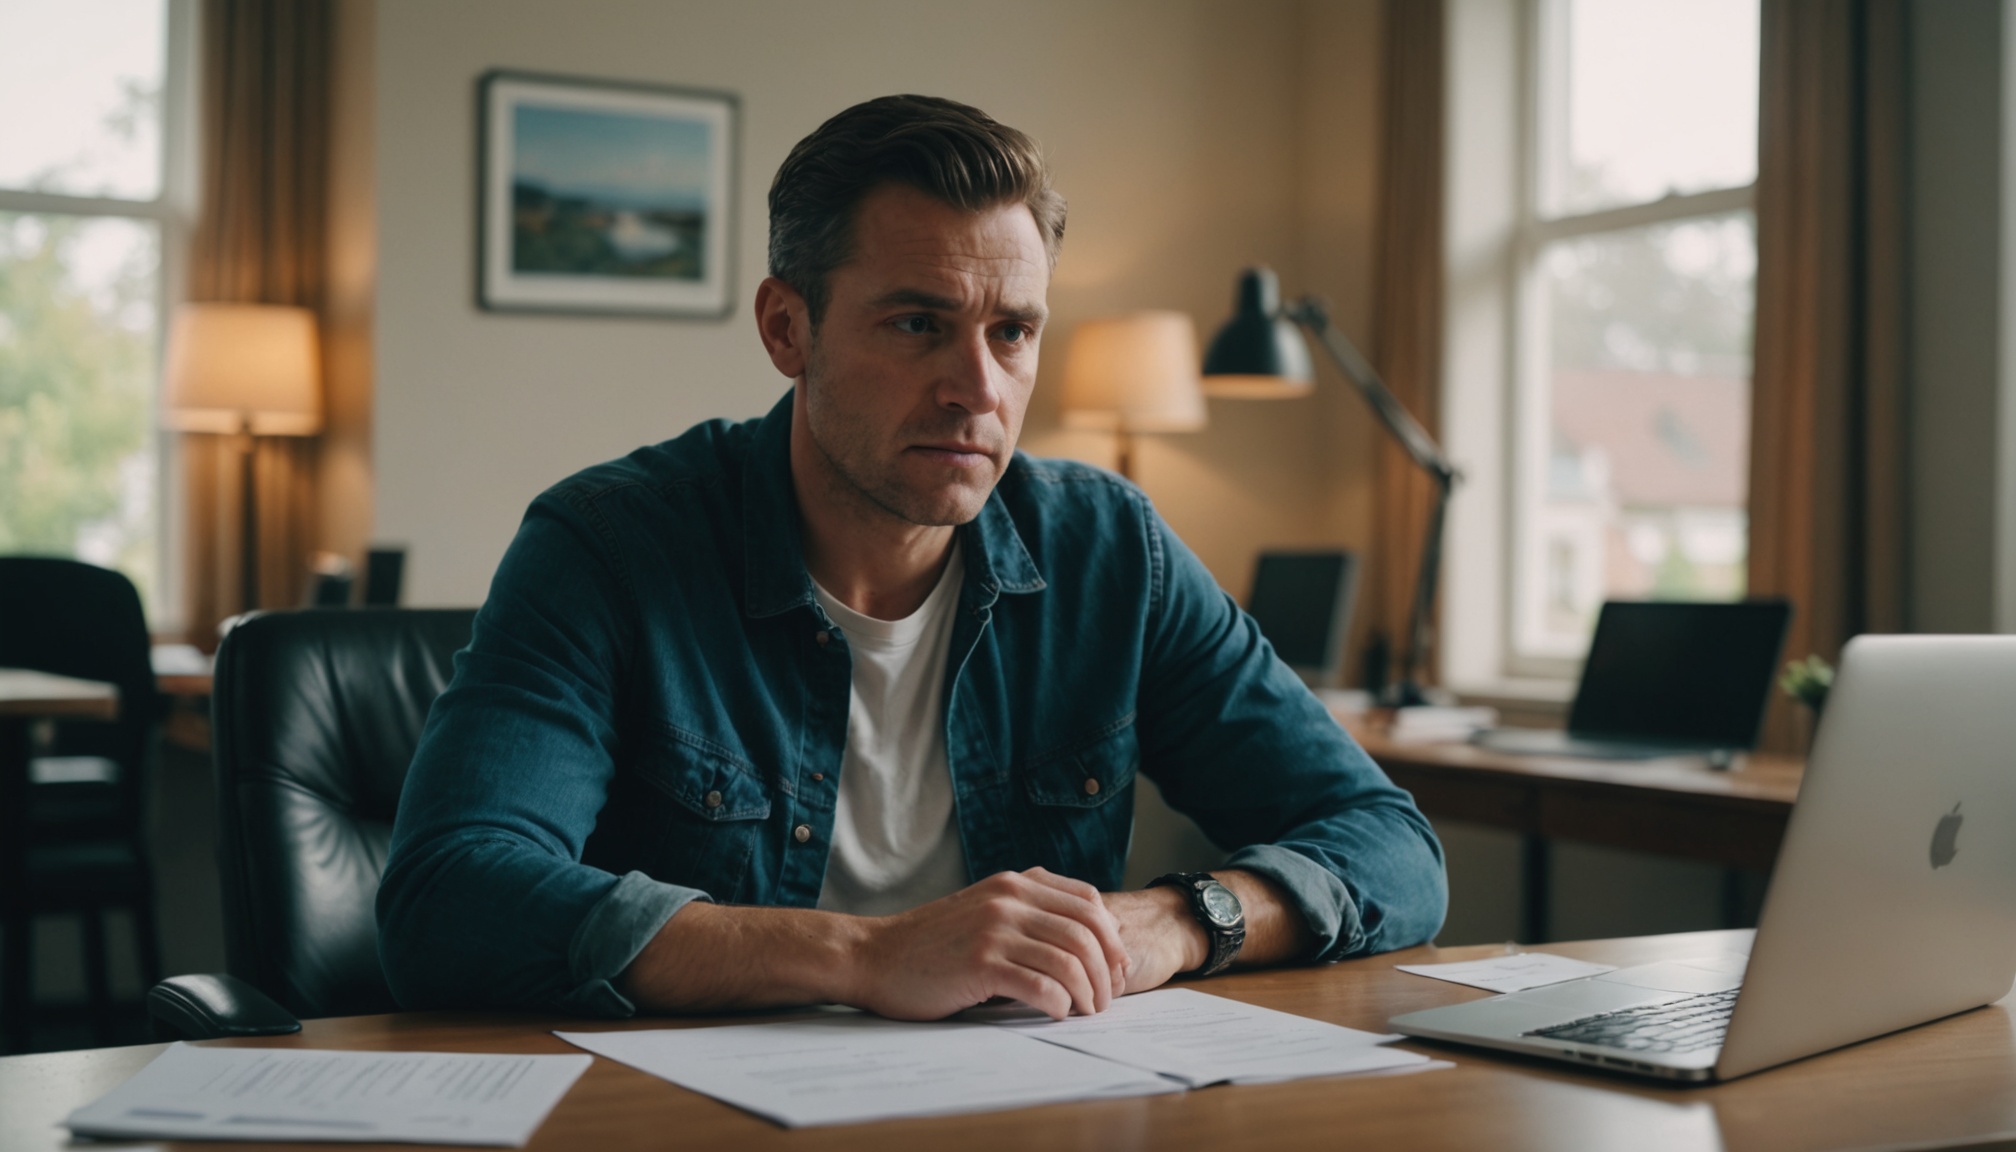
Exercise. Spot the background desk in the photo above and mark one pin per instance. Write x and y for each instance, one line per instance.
(1947, 1083)
(1676, 806)
(25, 697)
(183, 675)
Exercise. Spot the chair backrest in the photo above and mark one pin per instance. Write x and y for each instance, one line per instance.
(77, 619)
(316, 715)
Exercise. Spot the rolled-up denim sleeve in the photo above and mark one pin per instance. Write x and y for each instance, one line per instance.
(484, 900)
(1236, 742)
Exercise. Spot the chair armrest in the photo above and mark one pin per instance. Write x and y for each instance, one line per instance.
(205, 1007)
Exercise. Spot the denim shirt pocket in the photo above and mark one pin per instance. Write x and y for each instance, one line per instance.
(700, 818)
(1083, 805)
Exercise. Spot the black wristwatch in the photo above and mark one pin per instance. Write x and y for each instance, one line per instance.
(1217, 909)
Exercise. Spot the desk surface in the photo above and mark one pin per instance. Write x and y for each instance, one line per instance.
(1950, 1082)
(28, 693)
(1677, 805)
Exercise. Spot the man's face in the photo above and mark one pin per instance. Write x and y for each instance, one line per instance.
(920, 371)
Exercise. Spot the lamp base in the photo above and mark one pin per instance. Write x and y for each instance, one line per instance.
(1404, 694)
(248, 507)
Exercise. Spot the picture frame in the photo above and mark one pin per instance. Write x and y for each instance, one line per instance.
(605, 197)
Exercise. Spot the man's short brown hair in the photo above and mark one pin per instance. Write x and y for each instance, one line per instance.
(950, 151)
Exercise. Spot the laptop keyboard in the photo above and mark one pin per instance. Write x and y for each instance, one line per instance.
(1676, 1026)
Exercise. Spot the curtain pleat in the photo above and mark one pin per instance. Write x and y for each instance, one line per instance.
(259, 238)
(1407, 333)
(1827, 455)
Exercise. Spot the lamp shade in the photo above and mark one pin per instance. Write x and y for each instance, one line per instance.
(1259, 353)
(244, 366)
(1134, 373)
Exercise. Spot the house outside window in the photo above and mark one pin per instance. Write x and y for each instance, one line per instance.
(96, 193)
(1620, 316)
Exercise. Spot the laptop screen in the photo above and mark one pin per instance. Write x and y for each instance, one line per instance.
(1302, 602)
(1689, 673)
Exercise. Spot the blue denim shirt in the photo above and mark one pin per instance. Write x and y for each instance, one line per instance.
(653, 707)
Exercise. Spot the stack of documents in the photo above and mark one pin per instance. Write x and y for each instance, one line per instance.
(191, 1093)
(1428, 724)
(837, 1068)
(855, 1067)
(842, 1069)
(1196, 1039)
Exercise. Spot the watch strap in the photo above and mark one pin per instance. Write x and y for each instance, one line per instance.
(1225, 941)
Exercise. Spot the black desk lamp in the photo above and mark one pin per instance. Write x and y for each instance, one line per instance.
(1258, 355)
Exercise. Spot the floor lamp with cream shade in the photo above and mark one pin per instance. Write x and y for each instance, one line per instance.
(1132, 374)
(244, 370)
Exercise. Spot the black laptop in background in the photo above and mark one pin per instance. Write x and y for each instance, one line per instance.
(1302, 601)
(1666, 679)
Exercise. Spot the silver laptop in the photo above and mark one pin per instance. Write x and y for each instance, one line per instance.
(1893, 902)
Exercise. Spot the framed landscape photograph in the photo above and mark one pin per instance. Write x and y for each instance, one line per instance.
(605, 197)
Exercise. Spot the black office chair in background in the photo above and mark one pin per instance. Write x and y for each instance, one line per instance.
(77, 845)
(315, 718)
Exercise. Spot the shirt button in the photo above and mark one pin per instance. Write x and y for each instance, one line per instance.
(821, 639)
(801, 833)
(818, 776)
(713, 799)
(1091, 786)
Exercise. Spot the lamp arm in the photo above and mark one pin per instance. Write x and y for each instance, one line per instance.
(1414, 439)
(1420, 447)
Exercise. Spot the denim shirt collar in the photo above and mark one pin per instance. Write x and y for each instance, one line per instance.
(775, 579)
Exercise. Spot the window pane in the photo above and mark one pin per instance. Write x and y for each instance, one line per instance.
(1660, 96)
(1637, 471)
(77, 440)
(80, 96)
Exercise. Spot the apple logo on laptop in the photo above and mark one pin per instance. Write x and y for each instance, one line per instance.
(1945, 838)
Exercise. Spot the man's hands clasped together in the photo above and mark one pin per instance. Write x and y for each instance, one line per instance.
(1056, 944)
(1044, 939)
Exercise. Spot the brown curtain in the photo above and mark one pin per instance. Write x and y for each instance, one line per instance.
(1827, 467)
(259, 238)
(1407, 334)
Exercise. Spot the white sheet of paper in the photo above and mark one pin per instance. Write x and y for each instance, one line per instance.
(1201, 1039)
(1514, 973)
(844, 1069)
(192, 1093)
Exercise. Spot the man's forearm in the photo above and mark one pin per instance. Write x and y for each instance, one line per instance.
(721, 958)
(1164, 938)
(1276, 933)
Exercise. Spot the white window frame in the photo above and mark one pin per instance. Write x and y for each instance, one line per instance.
(1494, 332)
(173, 212)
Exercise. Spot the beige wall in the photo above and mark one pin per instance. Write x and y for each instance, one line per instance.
(1191, 137)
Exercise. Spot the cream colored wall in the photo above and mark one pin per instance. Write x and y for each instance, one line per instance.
(1192, 138)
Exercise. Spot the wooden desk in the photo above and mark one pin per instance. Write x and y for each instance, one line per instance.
(191, 684)
(25, 697)
(1950, 1082)
(184, 676)
(1677, 806)
(34, 695)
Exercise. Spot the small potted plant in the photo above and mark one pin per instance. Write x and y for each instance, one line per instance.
(1808, 682)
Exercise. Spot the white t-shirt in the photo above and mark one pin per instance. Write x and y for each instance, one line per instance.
(895, 833)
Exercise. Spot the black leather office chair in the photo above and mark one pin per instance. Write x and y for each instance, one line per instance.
(73, 833)
(315, 718)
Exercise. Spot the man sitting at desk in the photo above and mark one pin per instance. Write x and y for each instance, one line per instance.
(844, 704)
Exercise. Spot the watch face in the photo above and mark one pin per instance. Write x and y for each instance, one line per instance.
(1221, 905)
